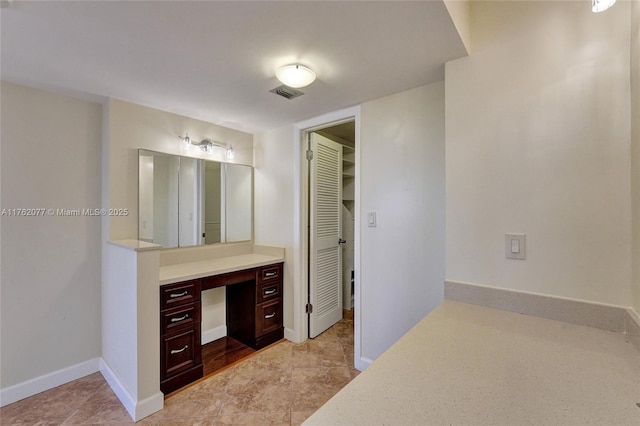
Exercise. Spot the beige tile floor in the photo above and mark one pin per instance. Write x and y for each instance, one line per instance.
(282, 385)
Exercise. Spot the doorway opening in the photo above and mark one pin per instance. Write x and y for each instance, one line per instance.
(331, 213)
(302, 227)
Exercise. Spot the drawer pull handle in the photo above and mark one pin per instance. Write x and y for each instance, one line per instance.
(174, 295)
(270, 316)
(270, 274)
(180, 319)
(177, 351)
(268, 292)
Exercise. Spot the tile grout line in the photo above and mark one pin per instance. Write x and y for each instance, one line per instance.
(224, 392)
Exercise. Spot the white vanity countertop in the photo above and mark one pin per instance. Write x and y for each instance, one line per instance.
(188, 271)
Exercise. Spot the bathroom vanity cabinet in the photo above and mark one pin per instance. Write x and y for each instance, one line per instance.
(154, 315)
(254, 318)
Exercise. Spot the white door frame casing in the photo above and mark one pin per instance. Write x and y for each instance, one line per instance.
(301, 223)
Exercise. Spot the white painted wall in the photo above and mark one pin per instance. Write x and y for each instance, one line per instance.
(402, 180)
(537, 125)
(50, 274)
(274, 196)
(635, 148)
(119, 306)
(131, 328)
(214, 314)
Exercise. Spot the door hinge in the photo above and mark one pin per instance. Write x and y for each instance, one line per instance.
(309, 308)
(309, 155)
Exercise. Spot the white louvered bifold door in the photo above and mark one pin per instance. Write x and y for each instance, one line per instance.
(325, 263)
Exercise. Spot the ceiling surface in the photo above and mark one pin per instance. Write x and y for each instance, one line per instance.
(216, 60)
(344, 133)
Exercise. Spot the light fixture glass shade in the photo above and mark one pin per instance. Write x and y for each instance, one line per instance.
(231, 153)
(601, 5)
(207, 147)
(186, 142)
(296, 75)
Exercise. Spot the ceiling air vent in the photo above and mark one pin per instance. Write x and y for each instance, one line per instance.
(286, 92)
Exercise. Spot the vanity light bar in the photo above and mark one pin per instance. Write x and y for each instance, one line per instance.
(206, 145)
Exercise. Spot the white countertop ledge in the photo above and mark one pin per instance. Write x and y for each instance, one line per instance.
(191, 270)
(135, 245)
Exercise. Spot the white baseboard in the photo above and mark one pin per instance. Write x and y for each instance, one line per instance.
(362, 363)
(212, 334)
(138, 410)
(291, 336)
(150, 405)
(118, 388)
(48, 381)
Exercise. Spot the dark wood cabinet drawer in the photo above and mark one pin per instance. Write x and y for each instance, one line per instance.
(180, 352)
(180, 338)
(179, 294)
(269, 273)
(179, 317)
(265, 292)
(228, 279)
(268, 317)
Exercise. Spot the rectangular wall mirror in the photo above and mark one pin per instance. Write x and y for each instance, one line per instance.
(186, 201)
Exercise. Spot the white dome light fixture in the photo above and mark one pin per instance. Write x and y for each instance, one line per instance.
(601, 5)
(296, 75)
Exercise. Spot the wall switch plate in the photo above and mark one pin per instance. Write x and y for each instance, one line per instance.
(371, 219)
(515, 246)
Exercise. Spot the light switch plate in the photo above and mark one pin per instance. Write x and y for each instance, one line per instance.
(515, 246)
(371, 219)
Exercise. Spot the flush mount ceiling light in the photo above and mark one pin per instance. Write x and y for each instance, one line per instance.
(296, 75)
(206, 145)
(601, 5)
